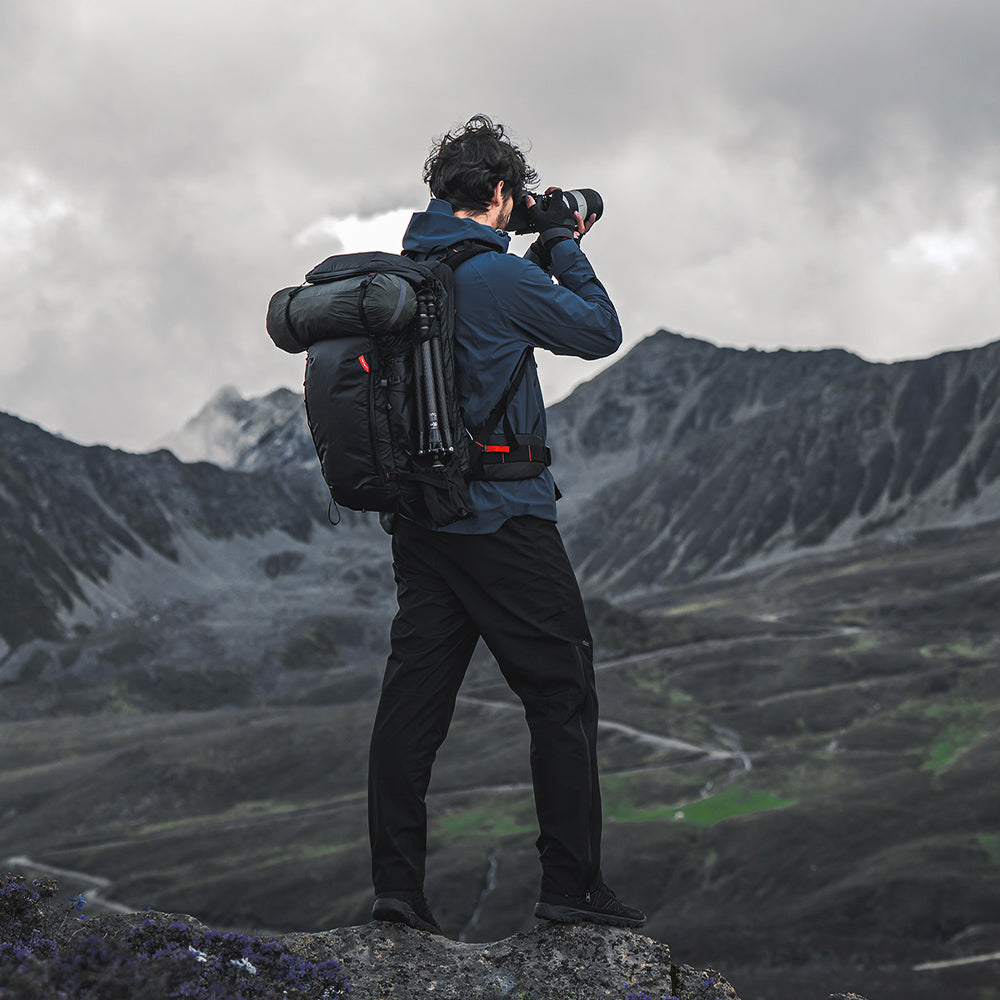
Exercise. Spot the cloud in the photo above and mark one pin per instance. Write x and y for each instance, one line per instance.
(354, 234)
(774, 174)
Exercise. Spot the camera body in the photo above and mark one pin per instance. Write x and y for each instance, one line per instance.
(586, 201)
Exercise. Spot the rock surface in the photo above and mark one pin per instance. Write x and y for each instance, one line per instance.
(545, 963)
(549, 962)
(383, 961)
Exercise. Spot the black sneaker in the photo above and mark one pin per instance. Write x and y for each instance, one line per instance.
(598, 906)
(408, 908)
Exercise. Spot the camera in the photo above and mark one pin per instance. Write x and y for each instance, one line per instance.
(586, 201)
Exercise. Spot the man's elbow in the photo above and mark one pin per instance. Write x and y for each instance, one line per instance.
(604, 342)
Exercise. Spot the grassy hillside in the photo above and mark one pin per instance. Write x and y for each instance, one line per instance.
(796, 763)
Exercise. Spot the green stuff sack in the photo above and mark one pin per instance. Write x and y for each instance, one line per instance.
(376, 304)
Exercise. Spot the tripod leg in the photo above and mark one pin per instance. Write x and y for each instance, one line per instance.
(434, 443)
(442, 396)
(421, 404)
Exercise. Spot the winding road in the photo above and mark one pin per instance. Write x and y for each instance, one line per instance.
(639, 735)
(94, 884)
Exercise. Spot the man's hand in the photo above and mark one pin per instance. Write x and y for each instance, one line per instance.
(551, 222)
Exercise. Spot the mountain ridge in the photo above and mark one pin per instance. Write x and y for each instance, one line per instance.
(69, 513)
(680, 462)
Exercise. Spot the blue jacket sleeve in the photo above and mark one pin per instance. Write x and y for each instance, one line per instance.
(575, 317)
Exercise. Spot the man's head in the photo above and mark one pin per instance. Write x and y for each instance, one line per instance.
(467, 164)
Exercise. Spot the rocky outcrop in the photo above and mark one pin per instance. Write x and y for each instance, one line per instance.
(549, 962)
(49, 946)
(381, 961)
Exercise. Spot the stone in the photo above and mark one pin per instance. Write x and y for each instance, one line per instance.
(549, 962)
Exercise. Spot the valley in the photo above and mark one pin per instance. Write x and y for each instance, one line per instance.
(803, 756)
(792, 569)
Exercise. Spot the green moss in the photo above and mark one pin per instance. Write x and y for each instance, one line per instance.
(961, 731)
(680, 700)
(620, 804)
(483, 820)
(652, 683)
(950, 651)
(641, 798)
(633, 814)
(696, 607)
(955, 741)
(261, 808)
(323, 850)
(732, 802)
(865, 641)
(990, 843)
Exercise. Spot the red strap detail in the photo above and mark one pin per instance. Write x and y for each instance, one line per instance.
(364, 362)
(496, 447)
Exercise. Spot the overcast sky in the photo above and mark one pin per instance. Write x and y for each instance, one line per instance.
(776, 173)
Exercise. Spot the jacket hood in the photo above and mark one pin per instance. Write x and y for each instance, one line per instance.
(438, 227)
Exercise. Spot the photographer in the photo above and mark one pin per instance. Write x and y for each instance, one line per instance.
(501, 573)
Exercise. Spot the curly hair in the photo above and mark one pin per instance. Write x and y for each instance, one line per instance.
(466, 163)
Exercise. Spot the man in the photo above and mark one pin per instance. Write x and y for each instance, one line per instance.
(502, 573)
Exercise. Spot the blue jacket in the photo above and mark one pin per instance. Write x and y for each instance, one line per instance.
(503, 304)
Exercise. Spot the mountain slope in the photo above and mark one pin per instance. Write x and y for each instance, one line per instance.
(681, 462)
(723, 459)
(68, 513)
(247, 434)
(685, 460)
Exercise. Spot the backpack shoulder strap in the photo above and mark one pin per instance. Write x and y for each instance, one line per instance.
(454, 256)
(500, 410)
(461, 252)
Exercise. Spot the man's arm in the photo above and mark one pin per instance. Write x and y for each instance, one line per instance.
(575, 317)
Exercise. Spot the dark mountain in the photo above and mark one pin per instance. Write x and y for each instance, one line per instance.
(793, 571)
(686, 460)
(67, 512)
(681, 462)
(127, 577)
(247, 434)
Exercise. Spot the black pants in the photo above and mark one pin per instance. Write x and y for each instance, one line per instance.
(516, 589)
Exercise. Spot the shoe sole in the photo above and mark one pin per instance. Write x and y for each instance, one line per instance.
(395, 911)
(572, 915)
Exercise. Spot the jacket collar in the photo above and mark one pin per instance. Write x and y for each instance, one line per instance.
(438, 226)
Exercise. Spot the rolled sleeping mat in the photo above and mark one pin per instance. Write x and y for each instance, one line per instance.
(298, 317)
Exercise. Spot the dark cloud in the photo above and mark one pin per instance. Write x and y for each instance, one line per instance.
(775, 173)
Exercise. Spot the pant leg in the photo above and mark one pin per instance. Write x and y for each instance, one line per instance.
(432, 641)
(517, 589)
(533, 620)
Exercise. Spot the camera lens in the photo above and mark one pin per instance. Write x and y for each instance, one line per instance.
(586, 201)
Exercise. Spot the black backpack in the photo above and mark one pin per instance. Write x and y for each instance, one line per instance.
(380, 386)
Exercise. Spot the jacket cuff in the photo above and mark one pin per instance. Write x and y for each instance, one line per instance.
(570, 266)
